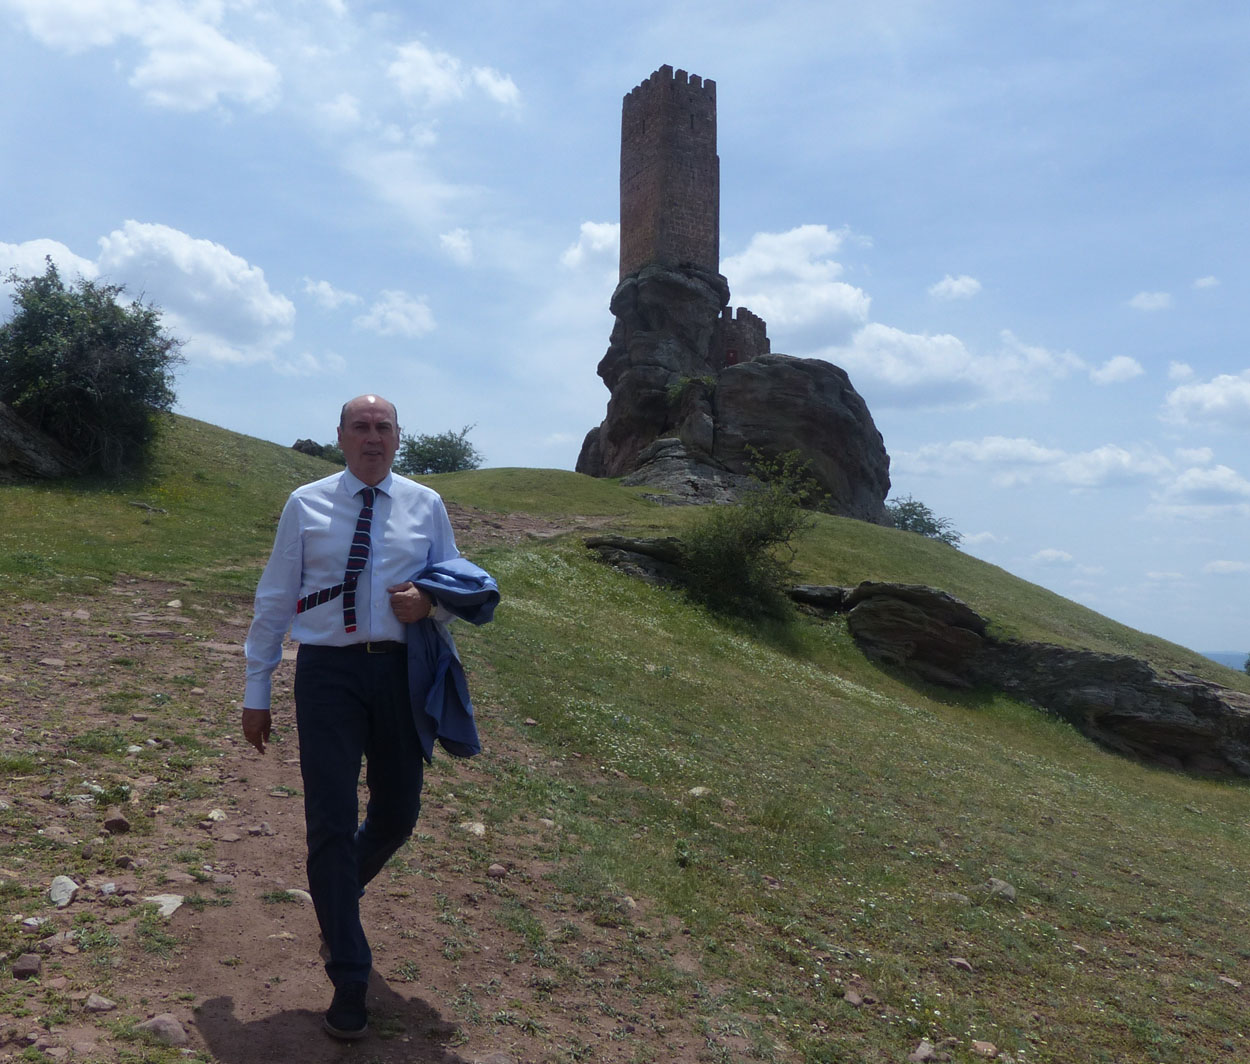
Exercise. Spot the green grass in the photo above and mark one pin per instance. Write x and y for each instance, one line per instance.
(811, 821)
(540, 491)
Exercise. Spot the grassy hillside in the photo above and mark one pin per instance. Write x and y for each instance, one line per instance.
(811, 825)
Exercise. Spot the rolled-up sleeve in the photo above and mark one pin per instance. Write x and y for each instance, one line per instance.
(276, 597)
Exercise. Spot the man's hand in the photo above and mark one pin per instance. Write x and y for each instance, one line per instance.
(409, 603)
(256, 727)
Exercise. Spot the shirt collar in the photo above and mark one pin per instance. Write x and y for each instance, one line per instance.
(355, 485)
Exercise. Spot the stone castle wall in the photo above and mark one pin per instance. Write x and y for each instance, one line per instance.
(739, 337)
(670, 173)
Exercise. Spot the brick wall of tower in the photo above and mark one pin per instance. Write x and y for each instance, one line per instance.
(670, 173)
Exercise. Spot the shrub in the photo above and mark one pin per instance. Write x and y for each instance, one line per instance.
(446, 452)
(737, 559)
(910, 515)
(87, 370)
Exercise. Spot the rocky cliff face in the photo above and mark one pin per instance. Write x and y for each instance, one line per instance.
(668, 381)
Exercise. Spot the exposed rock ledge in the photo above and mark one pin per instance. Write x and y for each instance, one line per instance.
(1178, 720)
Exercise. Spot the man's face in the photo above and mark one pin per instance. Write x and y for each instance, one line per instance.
(369, 438)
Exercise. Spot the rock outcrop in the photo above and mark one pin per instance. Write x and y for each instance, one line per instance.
(26, 453)
(1178, 719)
(671, 378)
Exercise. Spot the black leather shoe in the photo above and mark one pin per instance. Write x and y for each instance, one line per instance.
(347, 1018)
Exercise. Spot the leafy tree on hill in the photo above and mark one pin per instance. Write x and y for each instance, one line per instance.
(911, 515)
(1246, 667)
(446, 452)
(92, 373)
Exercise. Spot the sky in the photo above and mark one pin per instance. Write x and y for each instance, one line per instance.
(1020, 228)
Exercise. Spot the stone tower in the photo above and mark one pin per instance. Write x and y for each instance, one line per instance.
(670, 174)
(696, 392)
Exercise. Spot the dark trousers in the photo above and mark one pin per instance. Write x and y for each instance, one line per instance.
(350, 705)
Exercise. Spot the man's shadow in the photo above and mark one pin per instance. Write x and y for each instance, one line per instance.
(400, 1030)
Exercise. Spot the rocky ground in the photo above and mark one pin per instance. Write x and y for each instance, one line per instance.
(182, 929)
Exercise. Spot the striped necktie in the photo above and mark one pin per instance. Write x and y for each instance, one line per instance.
(357, 556)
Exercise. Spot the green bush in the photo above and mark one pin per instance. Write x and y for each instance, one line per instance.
(446, 452)
(87, 370)
(738, 559)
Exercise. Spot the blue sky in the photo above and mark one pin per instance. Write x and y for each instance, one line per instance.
(1022, 229)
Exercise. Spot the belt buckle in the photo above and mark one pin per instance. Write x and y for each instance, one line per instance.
(381, 648)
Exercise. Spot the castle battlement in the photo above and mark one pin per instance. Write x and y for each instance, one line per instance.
(738, 337)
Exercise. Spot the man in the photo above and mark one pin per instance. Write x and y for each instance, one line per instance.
(346, 548)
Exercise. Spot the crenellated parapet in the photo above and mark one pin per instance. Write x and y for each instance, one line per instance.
(739, 337)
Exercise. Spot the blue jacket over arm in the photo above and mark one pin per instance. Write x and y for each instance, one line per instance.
(441, 707)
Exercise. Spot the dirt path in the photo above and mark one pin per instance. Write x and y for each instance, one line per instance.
(478, 955)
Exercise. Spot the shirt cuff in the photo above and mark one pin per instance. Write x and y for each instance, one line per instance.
(256, 694)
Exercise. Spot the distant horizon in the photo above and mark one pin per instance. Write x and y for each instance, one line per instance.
(1225, 656)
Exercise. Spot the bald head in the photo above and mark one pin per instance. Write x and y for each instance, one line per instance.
(369, 436)
(367, 402)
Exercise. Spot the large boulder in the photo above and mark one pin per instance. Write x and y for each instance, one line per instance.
(776, 403)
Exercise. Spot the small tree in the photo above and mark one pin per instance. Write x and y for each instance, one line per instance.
(1246, 667)
(446, 452)
(87, 370)
(911, 515)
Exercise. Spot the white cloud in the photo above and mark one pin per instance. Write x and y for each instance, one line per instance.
(307, 364)
(896, 368)
(1164, 577)
(1151, 301)
(790, 280)
(1015, 460)
(1180, 371)
(1110, 464)
(597, 240)
(433, 78)
(1207, 282)
(1116, 370)
(1195, 455)
(1223, 400)
(218, 302)
(499, 87)
(1226, 567)
(961, 287)
(458, 245)
(1211, 486)
(327, 295)
(398, 314)
(1052, 556)
(189, 63)
(28, 260)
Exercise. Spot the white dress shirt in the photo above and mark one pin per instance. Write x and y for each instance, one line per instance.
(410, 529)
